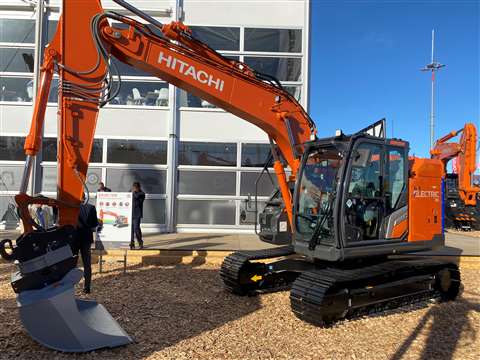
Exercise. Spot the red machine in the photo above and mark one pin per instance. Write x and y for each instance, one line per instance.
(351, 201)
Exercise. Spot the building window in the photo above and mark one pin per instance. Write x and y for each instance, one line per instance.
(284, 69)
(154, 211)
(141, 93)
(127, 70)
(207, 212)
(135, 93)
(247, 211)
(16, 60)
(255, 155)
(264, 187)
(207, 154)
(18, 89)
(295, 91)
(8, 212)
(17, 31)
(137, 151)
(152, 181)
(49, 150)
(218, 38)
(206, 182)
(49, 178)
(11, 148)
(52, 28)
(273, 40)
(192, 101)
(10, 177)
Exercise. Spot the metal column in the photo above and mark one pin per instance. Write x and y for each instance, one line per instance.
(172, 146)
(36, 174)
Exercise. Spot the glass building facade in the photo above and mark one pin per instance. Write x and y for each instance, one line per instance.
(197, 163)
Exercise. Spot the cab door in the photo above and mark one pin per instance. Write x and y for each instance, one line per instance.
(395, 224)
(364, 197)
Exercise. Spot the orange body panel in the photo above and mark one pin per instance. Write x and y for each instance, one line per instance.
(425, 199)
(400, 229)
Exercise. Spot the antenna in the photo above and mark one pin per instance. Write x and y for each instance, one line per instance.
(432, 67)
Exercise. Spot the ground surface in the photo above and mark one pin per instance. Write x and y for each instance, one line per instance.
(475, 233)
(184, 313)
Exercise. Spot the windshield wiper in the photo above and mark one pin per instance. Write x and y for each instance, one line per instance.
(319, 227)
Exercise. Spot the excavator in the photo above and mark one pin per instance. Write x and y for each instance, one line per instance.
(461, 208)
(350, 201)
(118, 220)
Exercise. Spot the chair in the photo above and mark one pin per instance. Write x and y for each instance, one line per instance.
(137, 97)
(206, 104)
(30, 90)
(162, 99)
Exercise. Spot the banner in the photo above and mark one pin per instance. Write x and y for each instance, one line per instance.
(114, 212)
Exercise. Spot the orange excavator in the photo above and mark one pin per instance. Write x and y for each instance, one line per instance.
(350, 202)
(119, 220)
(461, 208)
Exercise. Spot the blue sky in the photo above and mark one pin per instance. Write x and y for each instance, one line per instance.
(365, 65)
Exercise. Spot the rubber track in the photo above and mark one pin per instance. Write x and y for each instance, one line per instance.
(232, 265)
(317, 297)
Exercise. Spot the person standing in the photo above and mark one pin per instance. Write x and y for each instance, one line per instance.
(87, 225)
(102, 187)
(137, 215)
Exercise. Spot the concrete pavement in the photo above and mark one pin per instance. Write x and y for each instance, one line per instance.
(456, 244)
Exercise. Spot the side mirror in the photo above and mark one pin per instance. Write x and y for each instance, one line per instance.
(243, 216)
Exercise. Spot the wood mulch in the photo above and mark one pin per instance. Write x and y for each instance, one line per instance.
(183, 312)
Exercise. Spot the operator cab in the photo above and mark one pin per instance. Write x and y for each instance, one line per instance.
(351, 196)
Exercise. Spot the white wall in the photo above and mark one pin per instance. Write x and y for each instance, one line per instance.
(246, 12)
(217, 126)
(15, 119)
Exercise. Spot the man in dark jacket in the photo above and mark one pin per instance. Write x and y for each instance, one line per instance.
(137, 214)
(87, 224)
(102, 187)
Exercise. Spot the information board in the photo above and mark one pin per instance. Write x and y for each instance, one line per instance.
(114, 212)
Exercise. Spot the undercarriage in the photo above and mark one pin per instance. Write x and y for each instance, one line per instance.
(322, 293)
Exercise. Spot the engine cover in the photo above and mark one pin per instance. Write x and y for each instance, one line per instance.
(274, 226)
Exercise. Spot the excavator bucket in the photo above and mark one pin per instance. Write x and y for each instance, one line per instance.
(53, 317)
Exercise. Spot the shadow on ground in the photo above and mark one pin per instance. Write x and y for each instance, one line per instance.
(157, 306)
(444, 325)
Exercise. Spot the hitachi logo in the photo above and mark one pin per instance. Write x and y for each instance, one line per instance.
(189, 70)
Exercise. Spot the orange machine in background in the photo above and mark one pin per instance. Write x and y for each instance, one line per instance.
(461, 193)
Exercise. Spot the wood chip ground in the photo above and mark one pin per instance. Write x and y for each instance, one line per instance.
(183, 312)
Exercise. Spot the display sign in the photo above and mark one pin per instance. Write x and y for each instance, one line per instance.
(114, 212)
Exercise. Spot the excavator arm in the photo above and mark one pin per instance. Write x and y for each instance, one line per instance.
(81, 51)
(465, 151)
